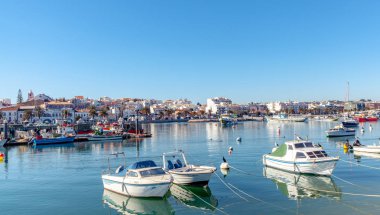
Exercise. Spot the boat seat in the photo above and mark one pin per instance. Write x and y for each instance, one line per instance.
(119, 169)
(170, 164)
(176, 166)
(179, 163)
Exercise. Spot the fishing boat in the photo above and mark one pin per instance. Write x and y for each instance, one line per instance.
(286, 118)
(184, 173)
(350, 123)
(340, 131)
(55, 140)
(95, 137)
(227, 120)
(300, 186)
(371, 119)
(301, 156)
(141, 179)
(131, 205)
(367, 148)
(360, 119)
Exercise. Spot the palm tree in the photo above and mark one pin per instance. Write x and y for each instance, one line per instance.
(92, 112)
(39, 112)
(103, 113)
(65, 113)
(27, 115)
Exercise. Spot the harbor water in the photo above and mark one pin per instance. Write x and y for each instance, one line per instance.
(67, 179)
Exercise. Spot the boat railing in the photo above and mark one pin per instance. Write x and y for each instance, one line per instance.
(116, 154)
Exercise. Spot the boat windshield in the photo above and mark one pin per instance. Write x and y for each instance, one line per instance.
(152, 172)
(142, 164)
(315, 154)
(303, 145)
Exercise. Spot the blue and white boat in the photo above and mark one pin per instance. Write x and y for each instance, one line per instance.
(50, 141)
(301, 156)
(141, 179)
(350, 123)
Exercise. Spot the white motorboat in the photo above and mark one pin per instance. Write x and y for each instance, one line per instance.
(340, 131)
(298, 186)
(141, 179)
(184, 173)
(131, 205)
(367, 148)
(301, 156)
(286, 118)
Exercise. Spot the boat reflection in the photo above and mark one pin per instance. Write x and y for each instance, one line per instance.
(192, 196)
(299, 186)
(131, 205)
(358, 155)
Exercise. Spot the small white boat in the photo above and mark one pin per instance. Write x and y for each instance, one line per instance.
(367, 148)
(184, 173)
(141, 179)
(301, 156)
(286, 118)
(367, 154)
(340, 131)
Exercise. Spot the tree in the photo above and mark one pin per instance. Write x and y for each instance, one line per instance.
(19, 97)
(39, 112)
(103, 113)
(65, 113)
(92, 112)
(27, 115)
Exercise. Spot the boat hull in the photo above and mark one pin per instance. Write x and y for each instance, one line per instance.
(104, 138)
(323, 167)
(368, 149)
(50, 141)
(192, 178)
(116, 184)
(340, 134)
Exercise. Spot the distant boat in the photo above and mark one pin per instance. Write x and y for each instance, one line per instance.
(286, 118)
(340, 131)
(56, 140)
(350, 123)
(104, 137)
(227, 120)
(301, 156)
(371, 119)
(368, 148)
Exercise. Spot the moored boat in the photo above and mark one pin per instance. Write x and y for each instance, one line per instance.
(56, 140)
(184, 173)
(340, 131)
(367, 148)
(371, 119)
(286, 118)
(350, 123)
(301, 156)
(141, 179)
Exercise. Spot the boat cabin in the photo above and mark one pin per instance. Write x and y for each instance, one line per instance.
(144, 169)
(299, 149)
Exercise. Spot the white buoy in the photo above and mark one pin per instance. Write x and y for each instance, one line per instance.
(224, 165)
(230, 150)
(238, 139)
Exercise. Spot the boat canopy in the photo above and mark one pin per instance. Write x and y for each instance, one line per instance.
(280, 151)
(142, 164)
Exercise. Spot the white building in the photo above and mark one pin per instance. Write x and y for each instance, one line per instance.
(218, 105)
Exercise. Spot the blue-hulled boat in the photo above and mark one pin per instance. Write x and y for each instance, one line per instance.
(57, 140)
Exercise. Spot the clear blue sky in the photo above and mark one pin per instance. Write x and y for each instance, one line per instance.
(246, 50)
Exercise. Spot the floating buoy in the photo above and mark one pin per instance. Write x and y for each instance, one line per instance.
(230, 150)
(238, 139)
(224, 165)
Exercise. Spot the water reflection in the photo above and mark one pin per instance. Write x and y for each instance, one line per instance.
(198, 197)
(299, 186)
(131, 205)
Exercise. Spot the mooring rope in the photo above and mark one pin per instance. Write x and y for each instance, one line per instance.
(371, 167)
(223, 212)
(231, 188)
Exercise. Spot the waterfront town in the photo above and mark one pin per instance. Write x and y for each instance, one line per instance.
(45, 109)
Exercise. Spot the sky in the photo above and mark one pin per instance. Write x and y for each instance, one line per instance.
(267, 50)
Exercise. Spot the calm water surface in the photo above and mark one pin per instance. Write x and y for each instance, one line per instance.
(67, 180)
